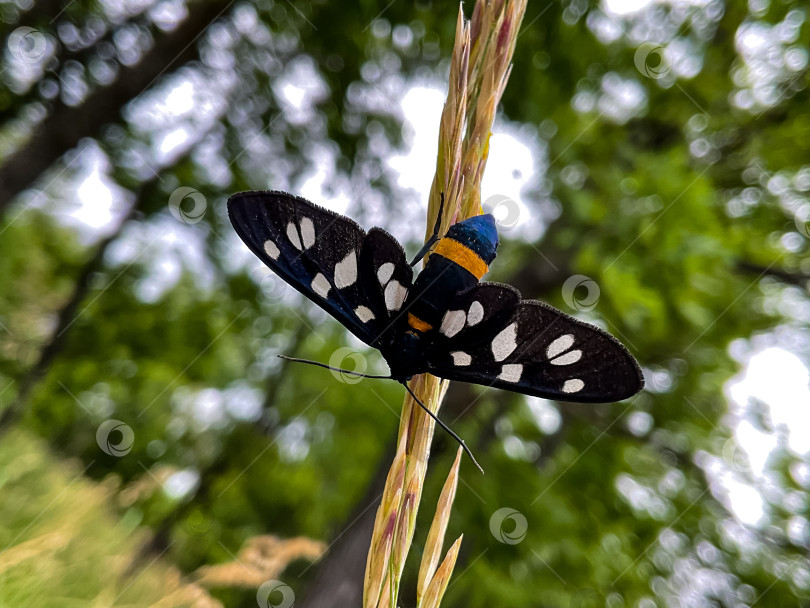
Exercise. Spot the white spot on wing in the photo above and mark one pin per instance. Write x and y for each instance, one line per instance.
(271, 249)
(568, 358)
(573, 386)
(394, 295)
(560, 345)
(346, 271)
(320, 285)
(292, 234)
(460, 358)
(364, 314)
(476, 313)
(384, 272)
(511, 372)
(505, 342)
(452, 322)
(307, 232)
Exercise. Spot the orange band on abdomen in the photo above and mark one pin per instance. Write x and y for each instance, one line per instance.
(463, 256)
(418, 324)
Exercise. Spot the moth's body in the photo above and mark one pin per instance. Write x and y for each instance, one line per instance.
(446, 322)
(459, 260)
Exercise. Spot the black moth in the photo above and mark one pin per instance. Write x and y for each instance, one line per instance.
(446, 322)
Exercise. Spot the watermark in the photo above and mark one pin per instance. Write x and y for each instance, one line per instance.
(735, 455)
(572, 294)
(510, 534)
(505, 210)
(188, 214)
(28, 353)
(197, 523)
(270, 284)
(106, 439)
(358, 364)
(275, 594)
(27, 44)
(802, 220)
(659, 379)
(651, 60)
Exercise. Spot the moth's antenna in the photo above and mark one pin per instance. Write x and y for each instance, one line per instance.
(334, 369)
(408, 388)
(444, 426)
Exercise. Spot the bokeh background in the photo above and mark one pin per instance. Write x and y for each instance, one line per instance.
(650, 168)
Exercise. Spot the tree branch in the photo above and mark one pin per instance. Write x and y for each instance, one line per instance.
(63, 55)
(65, 126)
(794, 278)
(67, 314)
(338, 580)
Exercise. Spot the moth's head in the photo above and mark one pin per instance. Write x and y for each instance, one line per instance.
(479, 234)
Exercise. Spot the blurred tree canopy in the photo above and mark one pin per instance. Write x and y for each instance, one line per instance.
(672, 145)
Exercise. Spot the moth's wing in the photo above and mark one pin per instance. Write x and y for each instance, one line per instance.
(536, 350)
(385, 279)
(479, 311)
(325, 256)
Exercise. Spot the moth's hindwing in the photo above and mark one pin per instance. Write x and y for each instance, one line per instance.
(529, 347)
(327, 257)
(386, 277)
(477, 312)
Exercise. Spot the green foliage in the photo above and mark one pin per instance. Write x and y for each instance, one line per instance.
(692, 253)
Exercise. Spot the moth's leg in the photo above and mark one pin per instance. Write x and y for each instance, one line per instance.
(433, 238)
(443, 425)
